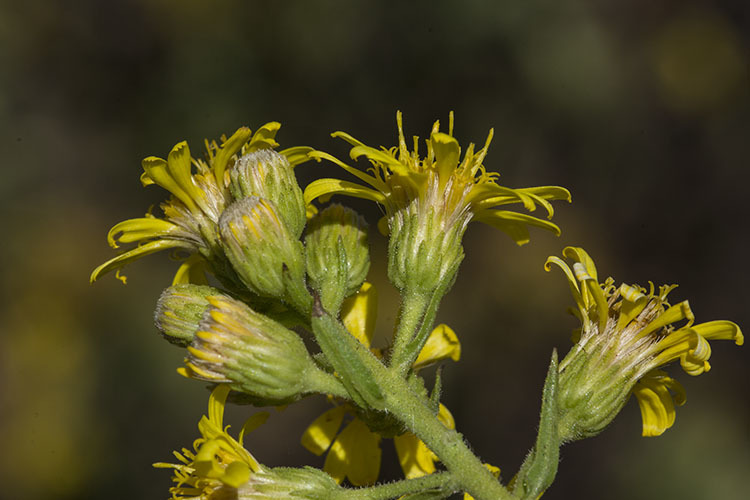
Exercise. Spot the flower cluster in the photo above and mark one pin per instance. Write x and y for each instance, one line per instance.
(627, 334)
(273, 303)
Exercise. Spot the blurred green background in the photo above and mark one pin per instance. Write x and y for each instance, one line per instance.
(640, 108)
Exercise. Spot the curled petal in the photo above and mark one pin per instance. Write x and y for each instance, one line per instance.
(136, 253)
(143, 228)
(572, 281)
(578, 254)
(265, 136)
(720, 330)
(657, 402)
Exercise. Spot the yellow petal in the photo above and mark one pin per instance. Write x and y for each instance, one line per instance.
(720, 330)
(441, 344)
(359, 312)
(376, 183)
(227, 150)
(297, 155)
(131, 230)
(361, 450)
(265, 136)
(159, 172)
(572, 281)
(447, 151)
(253, 423)
(236, 474)
(415, 457)
(677, 312)
(319, 435)
(193, 270)
(446, 417)
(656, 402)
(136, 253)
(328, 187)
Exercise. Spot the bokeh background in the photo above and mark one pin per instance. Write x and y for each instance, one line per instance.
(640, 108)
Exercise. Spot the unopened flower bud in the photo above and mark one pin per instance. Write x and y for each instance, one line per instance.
(425, 251)
(284, 483)
(268, 259)
(337, 254)
(180, 309)
(268, 174)
(254, 353)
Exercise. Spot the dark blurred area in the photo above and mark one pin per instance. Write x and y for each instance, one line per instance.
(640, 108)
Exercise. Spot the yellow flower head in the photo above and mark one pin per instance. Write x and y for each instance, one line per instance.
(440, 186)
(353, 449)
(627, 334)
(199, 189)
(219, 464)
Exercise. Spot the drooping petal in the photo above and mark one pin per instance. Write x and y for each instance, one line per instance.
(136, 253)
(656, 402)
(369, 179)
(327, 187)
(139, 229)
(720, 330)
(297, 155)
(359, 312)
(572, 281)
(441, 344)
(514, 224)
(320, 434)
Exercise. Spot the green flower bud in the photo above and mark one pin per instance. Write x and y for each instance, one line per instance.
(180, 309)
(268, 259)
(268, 174)
(284, 483)
(424, 250)
(337, 254)
(257, 355)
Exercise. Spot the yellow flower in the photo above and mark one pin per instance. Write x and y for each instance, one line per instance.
(627, 334)
(354, 450)
(220, 464)
(438, 187)
(192, 212)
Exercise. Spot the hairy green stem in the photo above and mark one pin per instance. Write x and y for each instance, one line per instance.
(418, 311)
(372, 385)
(414, 411)
(437, 482)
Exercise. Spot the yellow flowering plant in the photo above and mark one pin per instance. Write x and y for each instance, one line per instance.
(272, 305)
